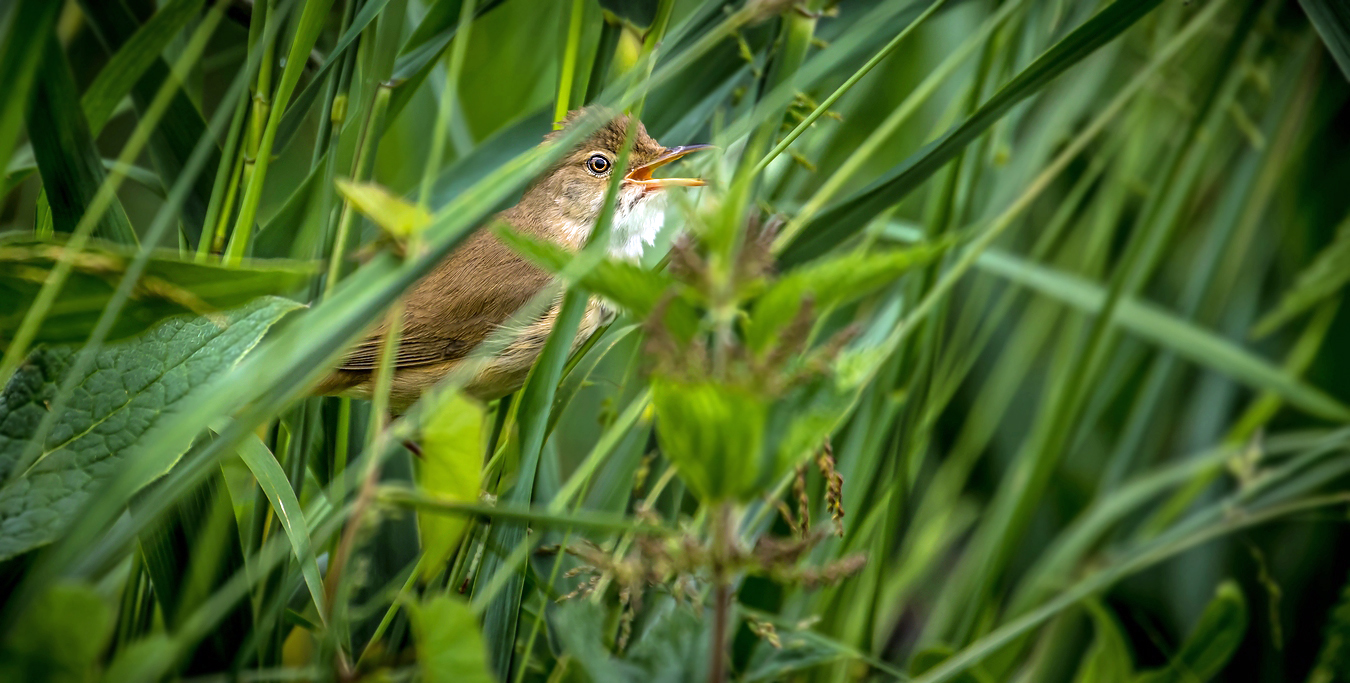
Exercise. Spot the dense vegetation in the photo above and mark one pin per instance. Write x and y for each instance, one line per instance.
(1005, 343)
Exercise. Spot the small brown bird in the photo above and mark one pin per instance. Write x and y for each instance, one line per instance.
(483, 282)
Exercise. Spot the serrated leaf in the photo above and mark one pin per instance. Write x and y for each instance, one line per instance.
(126, 396)
(170, 285)
(449, 645)
(627, 284)
(1212, 642)
(451, 468)
(62, 637)
(827, 284)
(1325, 276)
(396, 216)
(713, 433)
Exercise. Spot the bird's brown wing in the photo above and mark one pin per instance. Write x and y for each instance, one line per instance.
(455, 307)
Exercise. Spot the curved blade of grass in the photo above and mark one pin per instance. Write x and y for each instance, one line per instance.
(846, 218)
(272, 480)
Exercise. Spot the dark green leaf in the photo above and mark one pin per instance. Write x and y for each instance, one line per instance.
(71, 167)
(124, 401)
(182, 124)
(1108, 660)
(449, 645)
(21, 50)
(63, 635)
(1331, 18)
(639, 13)
(116, 79)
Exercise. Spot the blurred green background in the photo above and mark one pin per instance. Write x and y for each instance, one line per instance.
(1095, 430)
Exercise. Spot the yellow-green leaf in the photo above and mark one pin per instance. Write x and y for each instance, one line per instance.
(396, 216)
(449, 644)
(451, 468)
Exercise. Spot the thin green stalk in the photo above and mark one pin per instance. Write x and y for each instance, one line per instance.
(307, 32)
(569, 64)
(226, 182)
(847, 85)
(361, 165)
(445, 109)
(883, 133)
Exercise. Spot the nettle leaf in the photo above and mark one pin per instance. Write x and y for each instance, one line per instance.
(170, 285)
(397, 216)
(1212, 642)
(629, 285)
(1322, 278)
(827, 284)
(449, 645)
(129, 393)
(451, 468)
(713, 433)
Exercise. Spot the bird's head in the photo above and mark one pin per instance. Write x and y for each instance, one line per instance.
(572, 194)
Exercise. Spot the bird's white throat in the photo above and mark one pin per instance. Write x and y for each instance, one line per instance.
(638, 217)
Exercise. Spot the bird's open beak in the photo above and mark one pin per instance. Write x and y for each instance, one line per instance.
(642, 175)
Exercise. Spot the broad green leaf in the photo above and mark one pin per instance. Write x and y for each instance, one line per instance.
(827, 284)
(428, 41)
(1322, 278)
(1108, 660)
(116, 79)
(848, 216)
(629, 285)
(170, 285)
(398, 217)
(1331, 18)
(62, 638)
(21, 51)
(144, 661)
(71, 166)
(123, 402)
(274, 484)
(449, 645)
(1211, 643)
(451, 468)
(713, 433)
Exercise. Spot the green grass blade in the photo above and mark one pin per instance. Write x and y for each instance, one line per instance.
(850, 215)
(25, 41)
(71, 167)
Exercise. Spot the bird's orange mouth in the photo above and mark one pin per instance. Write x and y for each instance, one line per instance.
(642, 175)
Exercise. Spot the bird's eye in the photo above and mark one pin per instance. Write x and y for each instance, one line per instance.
(597, 164)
